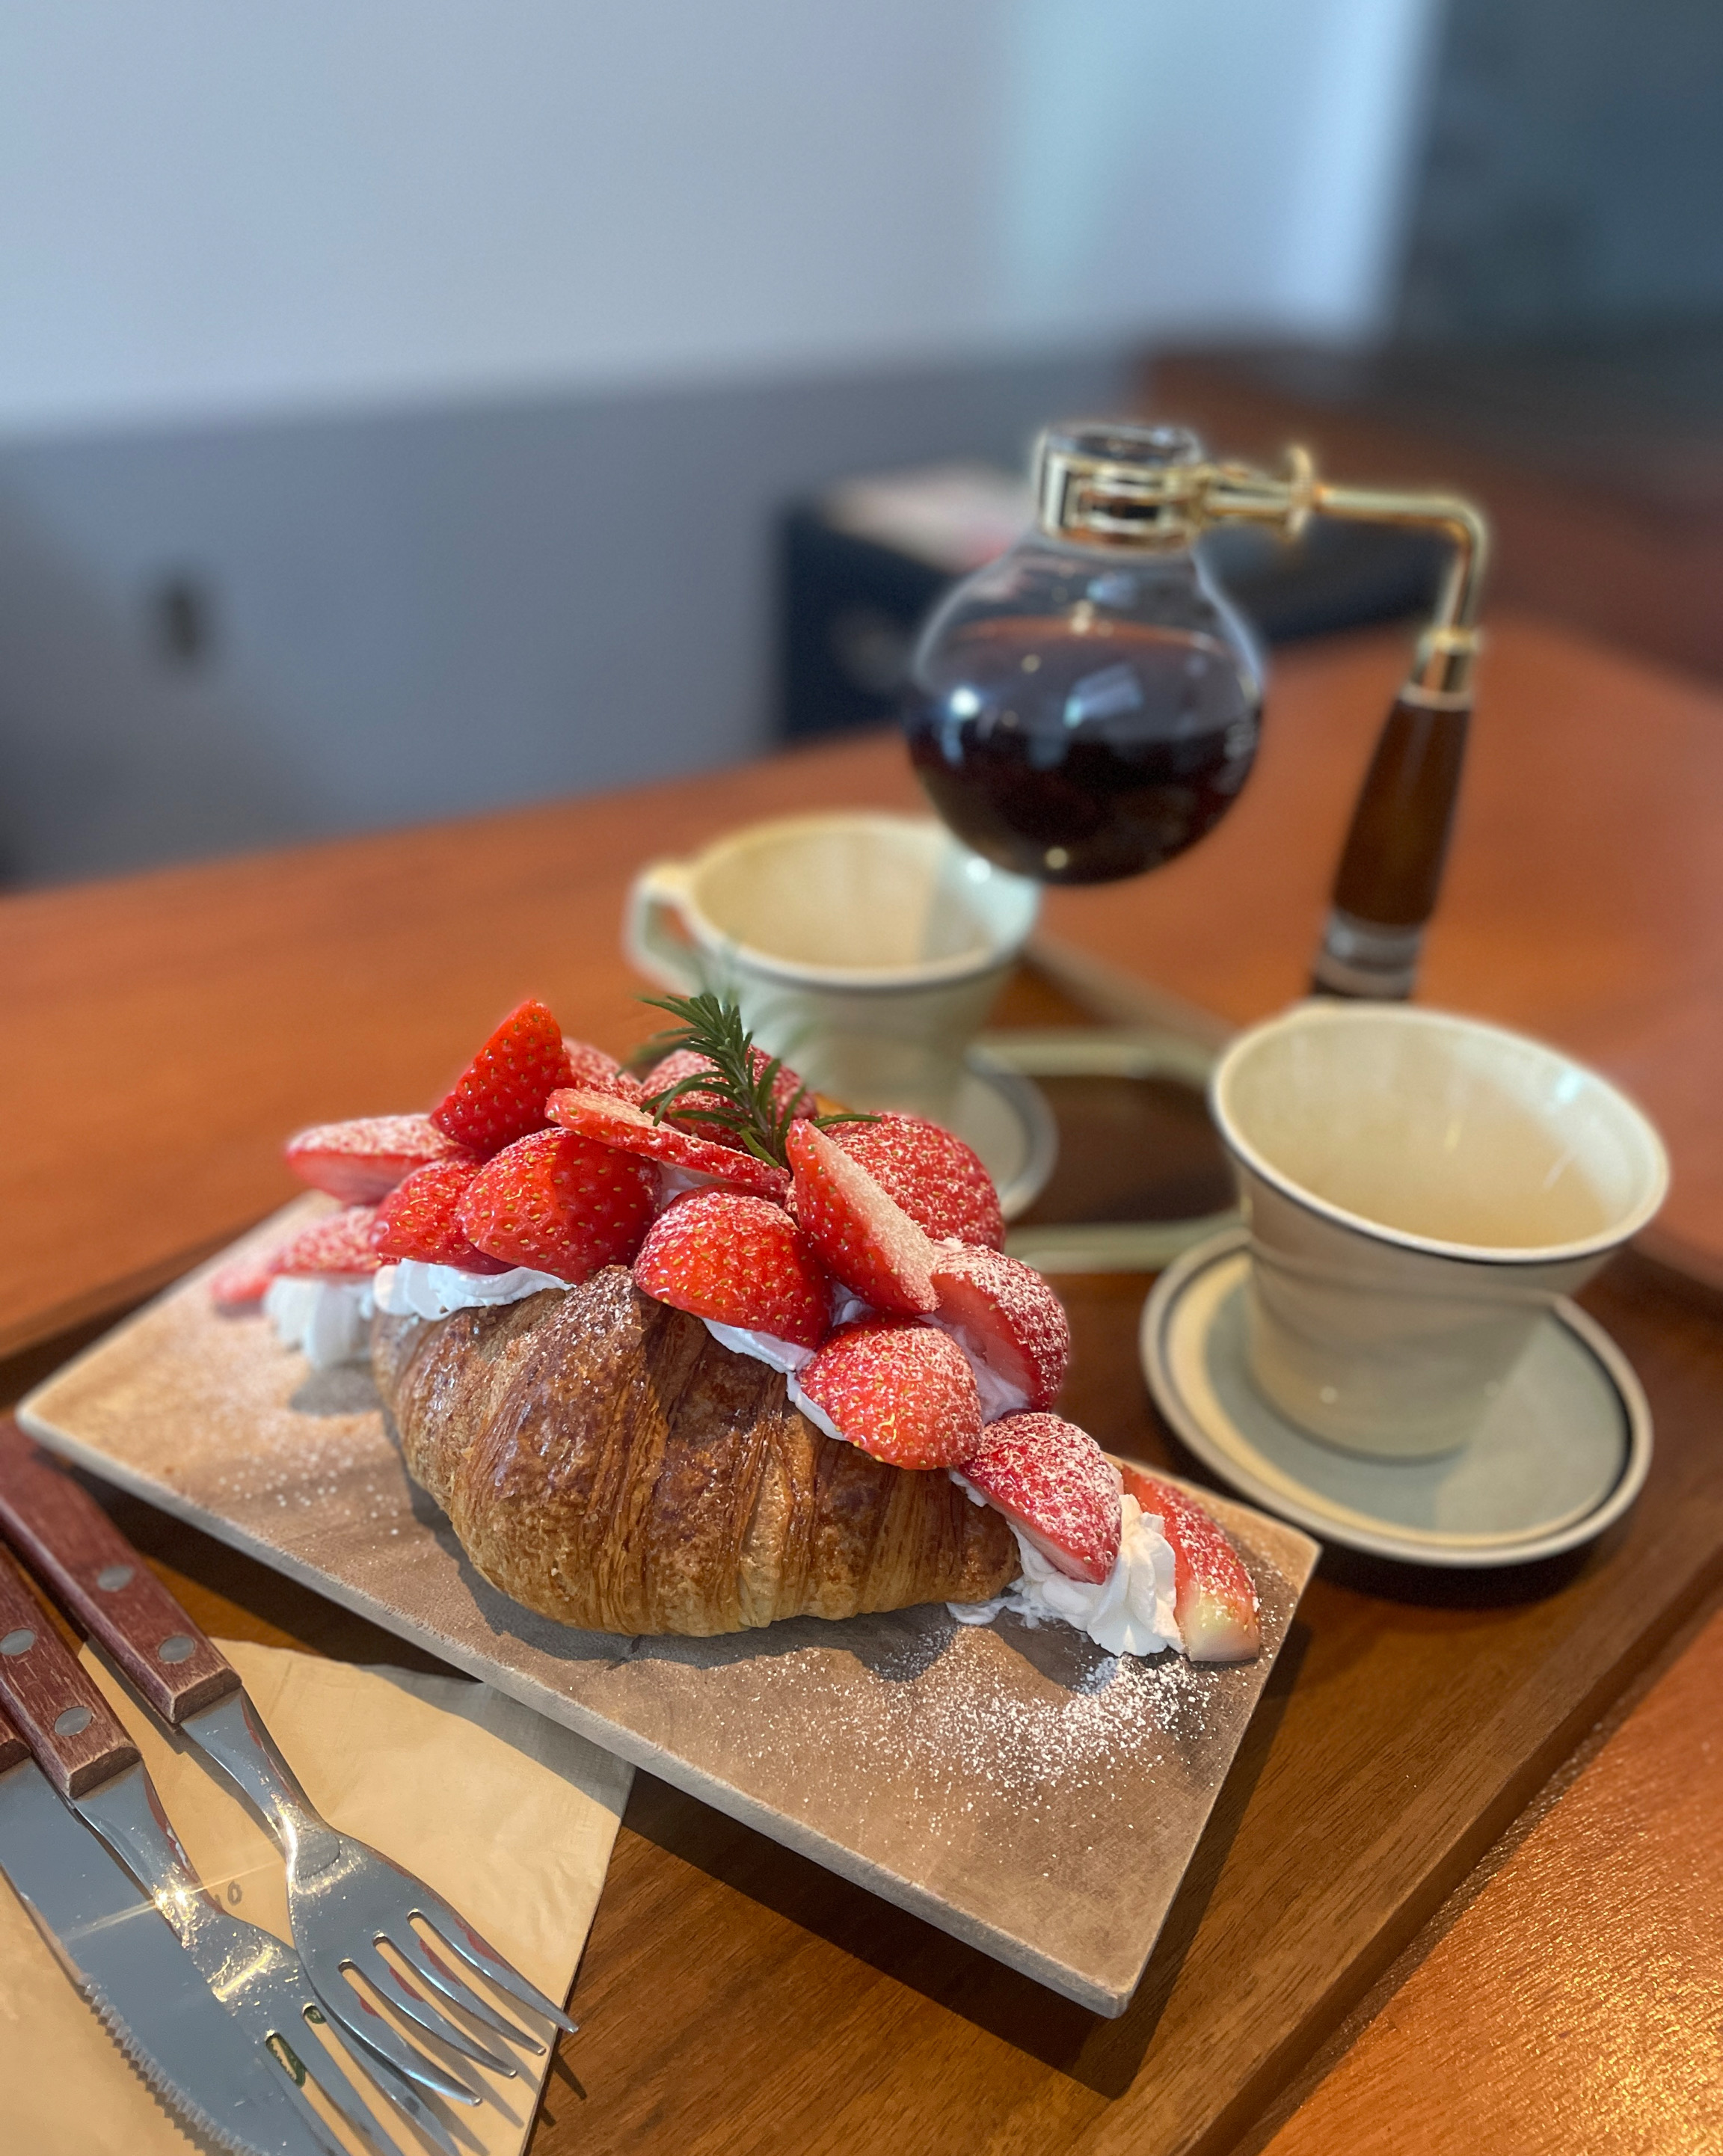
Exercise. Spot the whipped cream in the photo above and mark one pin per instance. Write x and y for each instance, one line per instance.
(413, 1289)
(328, 1319)
(1129, 1613)
(764, 1347)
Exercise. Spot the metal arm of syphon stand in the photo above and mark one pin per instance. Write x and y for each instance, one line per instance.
(1390, 867)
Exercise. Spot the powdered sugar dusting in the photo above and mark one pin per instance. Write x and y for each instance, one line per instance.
(1032, 1792)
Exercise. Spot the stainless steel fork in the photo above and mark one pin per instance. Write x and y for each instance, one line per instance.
(345, 1900)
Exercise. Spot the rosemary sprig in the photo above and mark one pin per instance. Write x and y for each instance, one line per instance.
(730, 1094)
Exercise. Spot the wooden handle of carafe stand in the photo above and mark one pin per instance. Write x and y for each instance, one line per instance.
(1391, 866)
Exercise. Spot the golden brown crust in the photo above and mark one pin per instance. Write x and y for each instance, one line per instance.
(605, 1461)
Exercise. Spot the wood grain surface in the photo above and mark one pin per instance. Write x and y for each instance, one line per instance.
(1584, 900)
(1515, 2032)
(735, 1997)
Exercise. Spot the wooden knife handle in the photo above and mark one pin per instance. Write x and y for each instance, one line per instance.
(65, 1720)
(12, 1747)
(70, 1543)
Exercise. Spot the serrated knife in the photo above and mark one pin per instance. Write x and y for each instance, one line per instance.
(119, 1952)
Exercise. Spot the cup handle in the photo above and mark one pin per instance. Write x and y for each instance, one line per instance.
(656, 911)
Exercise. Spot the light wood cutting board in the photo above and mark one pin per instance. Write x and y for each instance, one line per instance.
(1015, 1787)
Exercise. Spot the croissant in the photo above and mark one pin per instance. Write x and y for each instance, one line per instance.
(604, 1461)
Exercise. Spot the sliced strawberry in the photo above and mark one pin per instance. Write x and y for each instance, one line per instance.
(904, 1392)
(340, 1243)
(245, 1282)
(869, 1243)
(592, 1070)
(500, 1095)
(738, 1260)
(418, 1219)
(1212, 1597)
(363, 1161)
(932, 1175)
(613, 1123)
(1053, 1481)
(787, 1090)
(1006, 1317)
(559, 1204)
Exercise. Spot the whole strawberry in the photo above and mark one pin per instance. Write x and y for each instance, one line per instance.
(418, 1219)
(737, 1260)
(559, 1204)
(501, 1093)
(935, 1178)
(902, 1392)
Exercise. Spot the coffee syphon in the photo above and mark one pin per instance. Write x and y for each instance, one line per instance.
(1089, 705)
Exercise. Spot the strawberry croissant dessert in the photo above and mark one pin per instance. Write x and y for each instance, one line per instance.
(683, 1354)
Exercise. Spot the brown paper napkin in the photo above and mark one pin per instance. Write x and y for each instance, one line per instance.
(508, 1815)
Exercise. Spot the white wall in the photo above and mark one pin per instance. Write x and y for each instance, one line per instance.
(207, 207)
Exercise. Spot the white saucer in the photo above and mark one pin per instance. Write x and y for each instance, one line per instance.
(1005, 1116)
(1564, 1452)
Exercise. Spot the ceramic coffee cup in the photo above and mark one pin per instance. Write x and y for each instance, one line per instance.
(866, 949)
(1419, 1188)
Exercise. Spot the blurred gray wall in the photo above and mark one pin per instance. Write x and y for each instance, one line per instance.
(394, 399)
(215, 637)
(1572, 176)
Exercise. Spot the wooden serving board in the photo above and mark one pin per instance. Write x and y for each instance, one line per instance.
(1015, 1787)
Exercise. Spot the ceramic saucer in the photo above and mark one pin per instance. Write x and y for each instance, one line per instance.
(1564, 1452)
(1006, 1118)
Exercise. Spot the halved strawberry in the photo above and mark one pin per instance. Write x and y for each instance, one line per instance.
(1213, 1597)
(868, 1241)
(1006, 1315)
(936, 1179)
(559, 1204)
(787, 1090)
(592, 1072)
(500, 1095)
(613, 1123)
(1053, 1481)
(738, 1260)
(340, 1243)
(418, 1219)
(904, 1392)
(362, 1161)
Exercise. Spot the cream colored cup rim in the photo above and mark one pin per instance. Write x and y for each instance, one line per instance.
(878, 980)
(1302, 1015)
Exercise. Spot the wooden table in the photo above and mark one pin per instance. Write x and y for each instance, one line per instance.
(166, 1030)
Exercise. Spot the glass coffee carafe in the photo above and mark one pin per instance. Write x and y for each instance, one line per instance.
(1088, 705)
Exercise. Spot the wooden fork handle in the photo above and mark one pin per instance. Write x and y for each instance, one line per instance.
(66, 1722)
(72, 1544)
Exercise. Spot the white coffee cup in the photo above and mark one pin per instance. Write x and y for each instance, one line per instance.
(1419, 1188)
(865, 949)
